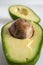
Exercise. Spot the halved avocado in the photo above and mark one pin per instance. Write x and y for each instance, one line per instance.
(20, 11)
(22, 51)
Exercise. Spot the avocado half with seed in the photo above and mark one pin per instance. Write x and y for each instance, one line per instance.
(20, 11)
(22, 51)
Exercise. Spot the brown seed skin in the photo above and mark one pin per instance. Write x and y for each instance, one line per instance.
(21, 29)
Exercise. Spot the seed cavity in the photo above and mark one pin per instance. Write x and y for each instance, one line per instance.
(24, 11)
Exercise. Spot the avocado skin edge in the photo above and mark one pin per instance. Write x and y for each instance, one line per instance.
(35, 59)
(14, 17)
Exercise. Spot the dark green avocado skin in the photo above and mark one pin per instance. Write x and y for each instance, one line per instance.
(32, 62)
(14, 17)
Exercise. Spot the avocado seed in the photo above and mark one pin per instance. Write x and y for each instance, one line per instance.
(21, 29)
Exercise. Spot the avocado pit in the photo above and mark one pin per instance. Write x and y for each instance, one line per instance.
(21, 29)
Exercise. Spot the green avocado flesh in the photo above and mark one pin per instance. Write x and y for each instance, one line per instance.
(22, 51)
(20, 11)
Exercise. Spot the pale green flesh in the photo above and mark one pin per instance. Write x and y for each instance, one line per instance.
(18, 50)
(30, 14)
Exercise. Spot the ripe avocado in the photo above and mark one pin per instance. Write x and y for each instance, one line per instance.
(20, 11)
(22, 51)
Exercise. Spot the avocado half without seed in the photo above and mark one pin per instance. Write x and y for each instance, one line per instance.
(20, 11)
(22, 41)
